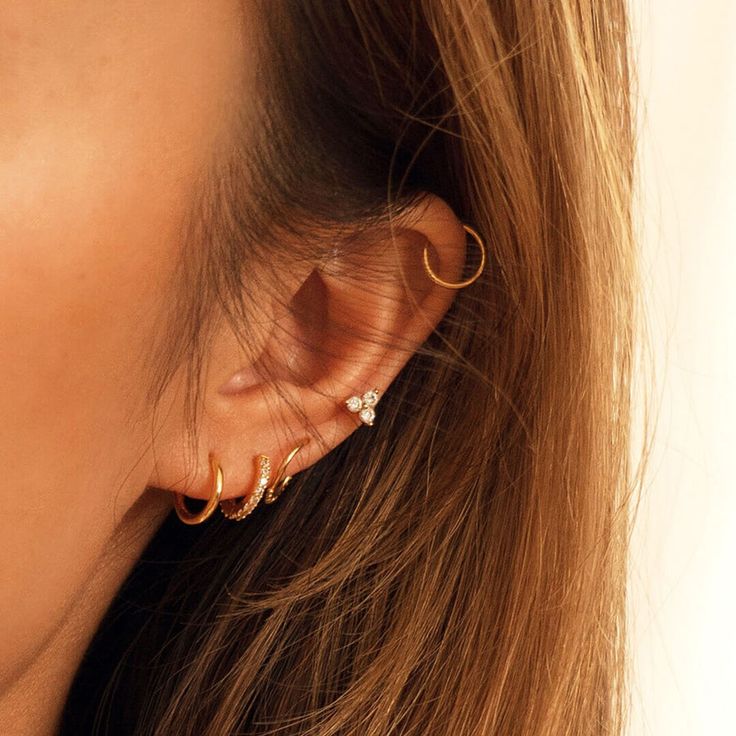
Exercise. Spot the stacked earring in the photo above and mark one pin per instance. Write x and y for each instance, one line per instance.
(281, 480)
(238, 509)
(189, 517)
(458, 284)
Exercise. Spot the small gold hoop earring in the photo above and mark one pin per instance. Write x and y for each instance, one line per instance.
(458, 284)
(281, 480)
(189, 517)
(238, 509)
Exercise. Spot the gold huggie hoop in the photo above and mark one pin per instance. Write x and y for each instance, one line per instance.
(281, 480)
(189, 517)
(236, 509)
(458, 284)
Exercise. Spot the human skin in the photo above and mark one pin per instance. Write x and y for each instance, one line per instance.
(108, 112)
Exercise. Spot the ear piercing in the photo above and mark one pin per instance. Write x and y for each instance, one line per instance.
(187, 516)
(281, 481)
(237, 509)
(364, 406)
(458, 284)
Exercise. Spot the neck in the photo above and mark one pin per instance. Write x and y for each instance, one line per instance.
(33, 703)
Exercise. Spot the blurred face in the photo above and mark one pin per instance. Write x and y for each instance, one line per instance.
(108, 109)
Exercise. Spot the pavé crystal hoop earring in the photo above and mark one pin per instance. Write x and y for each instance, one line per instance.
(189, 517)
(281, 480)
(238, 509)
(458, 284)
(364, 406)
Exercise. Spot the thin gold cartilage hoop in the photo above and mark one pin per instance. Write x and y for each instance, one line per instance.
(458, 284)
(238, 509)
(187, 516)
(281, 480)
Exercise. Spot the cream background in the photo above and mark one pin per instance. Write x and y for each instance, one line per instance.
(683, 605)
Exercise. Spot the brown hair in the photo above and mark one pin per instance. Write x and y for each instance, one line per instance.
(460, 567)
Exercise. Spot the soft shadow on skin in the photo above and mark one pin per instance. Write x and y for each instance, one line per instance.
(52, 670)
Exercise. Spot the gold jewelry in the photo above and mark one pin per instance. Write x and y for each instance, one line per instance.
(236, 509)
(458, 284)
(189, 517)
(281, 481)
(364, 406)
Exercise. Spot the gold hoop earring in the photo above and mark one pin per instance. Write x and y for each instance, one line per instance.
(238, 509)
(458, 284)
(281, 480)
(189, 517)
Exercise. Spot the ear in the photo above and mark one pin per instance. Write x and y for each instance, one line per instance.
(348, 324)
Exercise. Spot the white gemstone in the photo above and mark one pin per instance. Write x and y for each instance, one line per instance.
(354, 403)
(370, 398)
(367, 415)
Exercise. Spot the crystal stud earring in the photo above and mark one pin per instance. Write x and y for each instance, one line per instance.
(364, 406)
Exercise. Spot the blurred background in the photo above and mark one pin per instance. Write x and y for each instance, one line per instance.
(683, 576)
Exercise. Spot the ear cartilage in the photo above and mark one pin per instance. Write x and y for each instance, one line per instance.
(364, 406)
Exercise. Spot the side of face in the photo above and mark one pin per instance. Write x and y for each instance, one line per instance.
(112, 111)
(108, 111)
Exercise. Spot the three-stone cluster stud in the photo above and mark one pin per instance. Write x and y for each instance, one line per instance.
(364, 406)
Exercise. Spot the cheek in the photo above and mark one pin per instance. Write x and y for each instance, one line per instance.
(81, 278)
(109, 112)
(100, 146)
(84, 263)
(84, 259)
